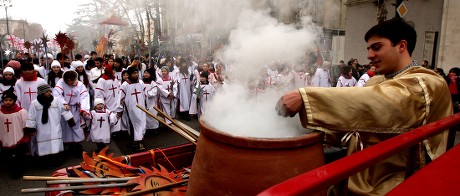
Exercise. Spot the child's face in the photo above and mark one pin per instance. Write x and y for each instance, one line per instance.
(134, 75)
(203, 79)
(80, 69)
(125, 76)
(146, 74)
(164, 72)
(8, 102)
(205, 67)
(110, 61)
(47, 94)
(71, 82)
(99, 106)
(55, 69)
(8, 75)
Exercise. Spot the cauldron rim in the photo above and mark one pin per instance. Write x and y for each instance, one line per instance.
(260, 143)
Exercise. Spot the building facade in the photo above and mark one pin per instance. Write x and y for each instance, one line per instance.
(434, 20)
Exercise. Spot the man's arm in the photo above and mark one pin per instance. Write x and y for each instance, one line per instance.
(290, 104)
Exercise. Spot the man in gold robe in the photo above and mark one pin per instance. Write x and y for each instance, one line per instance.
(403, 97)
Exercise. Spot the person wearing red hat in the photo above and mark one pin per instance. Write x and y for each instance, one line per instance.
(107, 88)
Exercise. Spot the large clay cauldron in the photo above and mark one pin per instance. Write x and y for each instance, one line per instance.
(230, 165)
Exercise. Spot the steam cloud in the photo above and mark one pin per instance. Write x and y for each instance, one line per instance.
(257, 40)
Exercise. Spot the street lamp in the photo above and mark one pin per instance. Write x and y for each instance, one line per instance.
(6, 4)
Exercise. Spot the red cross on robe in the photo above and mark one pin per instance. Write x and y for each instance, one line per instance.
(100, 121)
(113, 90)
(205, 93)
(185, 79)
(70, 96)
(7, 123)
(30, 93)
(135, 93)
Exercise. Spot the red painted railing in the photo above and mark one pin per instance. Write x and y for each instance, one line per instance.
(323, 177)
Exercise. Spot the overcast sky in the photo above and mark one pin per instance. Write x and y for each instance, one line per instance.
(53, 15)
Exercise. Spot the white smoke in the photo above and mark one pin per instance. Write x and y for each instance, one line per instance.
(258, 40)
(234, 111)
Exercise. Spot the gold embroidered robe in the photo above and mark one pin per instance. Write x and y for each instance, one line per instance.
(378, 111)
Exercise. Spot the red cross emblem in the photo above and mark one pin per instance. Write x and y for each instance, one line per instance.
(71, 95)
(205, 93)
(7, 123)
(113, 90)
(135, 93)
(30, 93)
(100, 121)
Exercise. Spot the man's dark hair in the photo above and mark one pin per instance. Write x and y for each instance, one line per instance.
(395, 30)
(93, 52)
(72, 75)
(90, 64)
(35, 61)
(78, 57)
(100, 59)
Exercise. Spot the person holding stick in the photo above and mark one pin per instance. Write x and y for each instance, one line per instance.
(132, 93)
(405, 96)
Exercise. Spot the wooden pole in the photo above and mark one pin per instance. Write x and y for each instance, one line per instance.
(155, 189)
(45, 178)
(89, 180)
(177, 124)
(184, 135)
(83, 187)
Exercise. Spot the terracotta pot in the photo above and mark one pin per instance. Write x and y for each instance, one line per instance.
(231, 165)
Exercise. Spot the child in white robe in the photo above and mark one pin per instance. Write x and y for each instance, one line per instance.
(346, 79)
(26, 86)
(201, 94)
(322, 76)
(365, 77)
(132, 94)
(76, 98)
(107, 88)
(45, 120)
(185, 89)
(7, 80)
(168, 92)
(55, 74)
(124, 121)
(101, 121)
(151, 100)
(12, 137)
(300, 77)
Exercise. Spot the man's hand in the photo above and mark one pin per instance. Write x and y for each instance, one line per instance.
(290, 104)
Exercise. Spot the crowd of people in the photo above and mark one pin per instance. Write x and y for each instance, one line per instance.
(51, 104)
(47, 111)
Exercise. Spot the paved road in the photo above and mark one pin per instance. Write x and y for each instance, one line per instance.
(119, 146)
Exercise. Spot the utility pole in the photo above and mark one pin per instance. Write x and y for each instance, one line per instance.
(6, 4)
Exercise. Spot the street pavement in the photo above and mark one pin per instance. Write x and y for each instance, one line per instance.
(120, 145)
